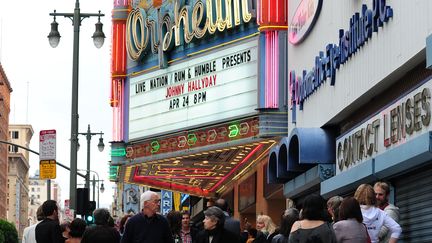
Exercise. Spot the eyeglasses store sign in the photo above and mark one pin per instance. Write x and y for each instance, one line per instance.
(206, 89)
(398, 123)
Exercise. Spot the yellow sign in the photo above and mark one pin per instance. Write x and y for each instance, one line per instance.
(47, 169)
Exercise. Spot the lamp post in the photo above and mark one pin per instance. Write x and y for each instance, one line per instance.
(101, 188)
(100, 145)
(54, 39)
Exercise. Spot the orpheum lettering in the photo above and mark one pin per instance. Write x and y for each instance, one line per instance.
(175, 27)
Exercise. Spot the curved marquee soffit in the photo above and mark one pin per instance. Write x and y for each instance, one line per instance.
(303, 149)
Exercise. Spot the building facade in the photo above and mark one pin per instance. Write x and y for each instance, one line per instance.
(18, 168)
(199, 100)
(359, 95)
(5, 91)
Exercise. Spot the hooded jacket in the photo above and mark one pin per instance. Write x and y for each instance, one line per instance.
(374, 218)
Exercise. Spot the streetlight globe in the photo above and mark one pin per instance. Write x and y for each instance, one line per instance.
(54, 35)
(101, 144)
(98, 36)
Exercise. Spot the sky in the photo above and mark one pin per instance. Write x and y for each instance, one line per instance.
(41, 79)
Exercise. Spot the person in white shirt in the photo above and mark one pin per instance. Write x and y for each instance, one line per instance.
(29, 234)
(373, 217)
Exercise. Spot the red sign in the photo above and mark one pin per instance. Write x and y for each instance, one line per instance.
(303, 21)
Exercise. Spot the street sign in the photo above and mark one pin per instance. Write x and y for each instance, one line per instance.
(47, 145)
(47, 169)
(47, 154)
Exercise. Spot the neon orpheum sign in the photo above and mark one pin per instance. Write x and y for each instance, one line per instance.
(328, 61)
(161, 31)
(195, 138)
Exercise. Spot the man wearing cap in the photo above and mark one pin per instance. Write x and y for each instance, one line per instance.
(148, 226)
(214, 231)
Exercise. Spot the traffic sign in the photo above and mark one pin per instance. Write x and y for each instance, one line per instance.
(47, 145)
(47, 169)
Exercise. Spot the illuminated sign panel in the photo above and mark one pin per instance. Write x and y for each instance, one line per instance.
(405, 119)
(195, 138)
(210, 88)
(303, 21)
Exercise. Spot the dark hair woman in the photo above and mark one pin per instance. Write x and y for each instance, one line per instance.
(175, 222)
(313, 226)
(350, 228)
(290, 216)
(76, 230)
(123, 222)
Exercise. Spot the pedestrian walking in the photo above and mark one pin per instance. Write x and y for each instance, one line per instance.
(333, 207)
(290, 216)
(76, 230)
(102, 231)
(214, 230)
(231, 224)
(123, 222)
(188, 233)
(175, 223)
(29, 233)
(350, 227)
(48, 231)
(312, 226)
(148, 226)
(373, 217)
(266, 229)
(382, 194)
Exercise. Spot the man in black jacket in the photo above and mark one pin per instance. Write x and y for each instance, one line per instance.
(48, 231)
(148, 226)
(231, 224)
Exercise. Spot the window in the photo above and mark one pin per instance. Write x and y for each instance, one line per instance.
(13, 149)
(15, 134)
(32, 189)
(38, 196)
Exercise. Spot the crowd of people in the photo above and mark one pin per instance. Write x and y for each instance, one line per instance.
(366, 217)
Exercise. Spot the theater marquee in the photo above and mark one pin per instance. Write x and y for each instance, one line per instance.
(210, 88)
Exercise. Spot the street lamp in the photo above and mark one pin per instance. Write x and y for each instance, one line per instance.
(100, 145)
(54, 38)
(101, 188)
